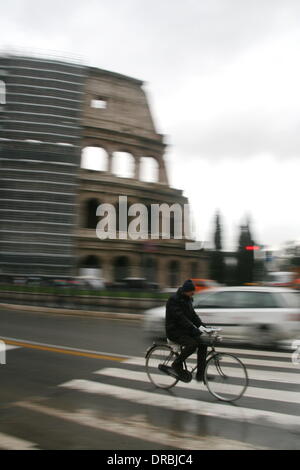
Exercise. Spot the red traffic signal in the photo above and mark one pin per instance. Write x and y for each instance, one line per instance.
(252, 247)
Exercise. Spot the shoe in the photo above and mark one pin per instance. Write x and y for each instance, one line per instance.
(183, 375)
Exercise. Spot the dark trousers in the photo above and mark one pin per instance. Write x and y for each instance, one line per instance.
(189, 345)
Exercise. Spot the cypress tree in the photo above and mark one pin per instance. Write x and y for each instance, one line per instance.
(245, 256)
(217, 261)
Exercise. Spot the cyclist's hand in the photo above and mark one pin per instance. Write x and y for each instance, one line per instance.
(205, 329)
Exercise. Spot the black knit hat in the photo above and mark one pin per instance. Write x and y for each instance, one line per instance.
(188, 286)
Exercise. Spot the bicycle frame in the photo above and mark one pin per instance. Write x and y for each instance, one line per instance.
(211, 353)
(219, 362)
(176, 353)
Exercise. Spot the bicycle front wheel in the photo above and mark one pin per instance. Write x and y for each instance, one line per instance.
(226, 377)
(160, 356)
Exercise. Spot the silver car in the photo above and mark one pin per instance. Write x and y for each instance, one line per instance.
(261, 316)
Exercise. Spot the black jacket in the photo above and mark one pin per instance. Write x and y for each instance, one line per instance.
(181, 318)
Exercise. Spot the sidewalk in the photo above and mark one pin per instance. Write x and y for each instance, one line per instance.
(66, 311)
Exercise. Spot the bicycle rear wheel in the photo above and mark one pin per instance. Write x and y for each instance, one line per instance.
(226, 377)
(160, 356)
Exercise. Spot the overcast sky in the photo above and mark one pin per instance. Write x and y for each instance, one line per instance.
(222, 78)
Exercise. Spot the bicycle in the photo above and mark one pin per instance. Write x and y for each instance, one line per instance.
(225, 375)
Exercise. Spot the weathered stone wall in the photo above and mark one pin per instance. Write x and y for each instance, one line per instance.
(51, 111)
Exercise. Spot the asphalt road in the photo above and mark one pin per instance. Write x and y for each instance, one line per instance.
(79, 383)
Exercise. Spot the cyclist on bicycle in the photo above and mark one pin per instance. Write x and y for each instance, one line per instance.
(182, 327)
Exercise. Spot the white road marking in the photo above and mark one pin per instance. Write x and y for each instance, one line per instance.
(268, 363)
(219, 410)
(136, 427)
(8, 442)
(262, 362)
(8, 347)
(255, 352)
(253, 392)
(254, 374)
(55, 346)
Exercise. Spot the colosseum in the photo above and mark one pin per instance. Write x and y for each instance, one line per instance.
(56, 118)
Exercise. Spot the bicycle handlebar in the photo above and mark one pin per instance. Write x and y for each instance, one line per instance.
(213, 336)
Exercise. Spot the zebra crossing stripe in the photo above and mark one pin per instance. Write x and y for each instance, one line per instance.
(251, 392)
(248, 361)
(217, 410)
(268, 363)
(256, 352)
(138, 428)
(255, 374)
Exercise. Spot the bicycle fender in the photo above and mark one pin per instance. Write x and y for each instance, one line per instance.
(150, 349)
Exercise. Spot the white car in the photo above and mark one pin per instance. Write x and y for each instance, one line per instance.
(258, 315)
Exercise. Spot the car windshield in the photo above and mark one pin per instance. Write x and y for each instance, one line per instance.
(223, 299)
(246, 299)
(240, 299)
(203, 299)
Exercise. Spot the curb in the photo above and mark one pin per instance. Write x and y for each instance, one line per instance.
(65, 311)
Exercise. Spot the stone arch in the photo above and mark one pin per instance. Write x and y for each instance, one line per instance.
(90, 209)
(149, 169)
(121, 268)
(172, 225)
(2, 92)
(194, 274)
(94, 158)
(123, 164)
(149, 218)
(90, 266)
(174, 273)
(150, 268)
(116, 205)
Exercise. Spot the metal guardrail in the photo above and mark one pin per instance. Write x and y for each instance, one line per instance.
(66, 298)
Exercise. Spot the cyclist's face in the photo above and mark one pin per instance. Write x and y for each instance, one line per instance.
(190, 293)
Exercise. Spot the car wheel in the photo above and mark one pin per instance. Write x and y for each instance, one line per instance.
(264, 335)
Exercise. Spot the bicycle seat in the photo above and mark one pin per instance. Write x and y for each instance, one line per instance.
(174, 345)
